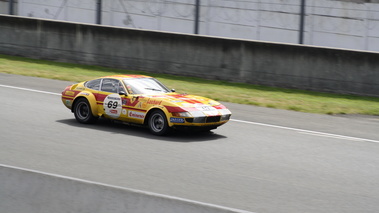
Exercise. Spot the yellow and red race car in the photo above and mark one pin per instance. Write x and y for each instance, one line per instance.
(140, 99)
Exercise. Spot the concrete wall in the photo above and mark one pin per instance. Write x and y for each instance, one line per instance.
(26, 191)
(272, 64)
(350, 24)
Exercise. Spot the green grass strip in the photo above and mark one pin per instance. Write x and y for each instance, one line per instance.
(289, 99)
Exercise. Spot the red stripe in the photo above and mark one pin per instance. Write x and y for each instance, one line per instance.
(141, 110)
(180, 109)
(220, 106)
(184, 98)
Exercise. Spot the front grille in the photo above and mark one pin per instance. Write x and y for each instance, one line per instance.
(213, 119)
(210, 119)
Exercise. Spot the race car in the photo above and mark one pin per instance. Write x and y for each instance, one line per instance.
(142, 100)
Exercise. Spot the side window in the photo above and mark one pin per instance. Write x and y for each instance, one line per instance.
(94, 84)
(112, 85)
(121, 87)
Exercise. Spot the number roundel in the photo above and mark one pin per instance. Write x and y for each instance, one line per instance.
(113, 105)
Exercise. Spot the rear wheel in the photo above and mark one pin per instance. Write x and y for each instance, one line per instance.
(157, 123)
(83, 113)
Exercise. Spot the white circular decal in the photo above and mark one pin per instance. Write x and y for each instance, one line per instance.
(208, 110)
(113, 105)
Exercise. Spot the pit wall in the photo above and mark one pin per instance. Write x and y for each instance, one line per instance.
(246, 61)
(27, 191)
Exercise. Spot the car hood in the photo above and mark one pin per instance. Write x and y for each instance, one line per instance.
(175, 102)
(185, 100)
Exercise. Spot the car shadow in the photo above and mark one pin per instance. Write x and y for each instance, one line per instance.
(139, 131)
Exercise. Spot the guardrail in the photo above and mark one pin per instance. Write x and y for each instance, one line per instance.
(29, 191)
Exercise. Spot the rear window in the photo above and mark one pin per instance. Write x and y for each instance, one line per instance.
(94, 84)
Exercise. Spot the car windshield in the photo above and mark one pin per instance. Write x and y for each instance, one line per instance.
(144, 86)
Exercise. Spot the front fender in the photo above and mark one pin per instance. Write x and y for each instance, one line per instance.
(158, 107)
(91, 100)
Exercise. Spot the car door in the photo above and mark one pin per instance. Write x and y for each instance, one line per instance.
(109, 99)
(115, 102)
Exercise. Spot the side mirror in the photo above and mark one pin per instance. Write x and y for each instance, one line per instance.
(122, 93)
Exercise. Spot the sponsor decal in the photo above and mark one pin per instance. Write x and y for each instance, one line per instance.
(135, 114)
(71, 93)
(177, 120)
(68, 103)
(154, 102)
(112, 105)
(114, 98)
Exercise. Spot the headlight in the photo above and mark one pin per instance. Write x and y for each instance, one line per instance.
(181, 114)
(225, 117)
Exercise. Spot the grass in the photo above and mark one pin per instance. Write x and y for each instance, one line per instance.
(289, 99)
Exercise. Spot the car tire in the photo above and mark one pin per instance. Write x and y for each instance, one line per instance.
(158, 123)
(83, 113)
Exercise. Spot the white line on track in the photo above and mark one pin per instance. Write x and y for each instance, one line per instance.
(30, 90)
(303, 131)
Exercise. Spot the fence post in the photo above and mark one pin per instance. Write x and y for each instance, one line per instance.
(98, 12)
(11, 8)
(302, 22)
(197, 16)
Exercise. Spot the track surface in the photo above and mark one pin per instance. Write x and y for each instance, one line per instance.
(264, 160)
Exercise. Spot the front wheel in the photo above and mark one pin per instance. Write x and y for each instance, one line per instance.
(83, 113)
(157, 123)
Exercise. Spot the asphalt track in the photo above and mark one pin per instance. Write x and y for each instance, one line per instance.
(264, 160)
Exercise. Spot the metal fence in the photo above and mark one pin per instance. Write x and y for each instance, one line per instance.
(352, 24)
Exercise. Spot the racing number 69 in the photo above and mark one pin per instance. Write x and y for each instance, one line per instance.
(112, 104)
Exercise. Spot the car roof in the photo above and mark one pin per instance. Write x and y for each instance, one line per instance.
(120, 77)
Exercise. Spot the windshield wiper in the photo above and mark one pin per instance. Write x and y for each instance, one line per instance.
(153, 89)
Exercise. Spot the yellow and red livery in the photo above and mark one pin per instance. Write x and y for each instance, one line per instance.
(141, 99)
